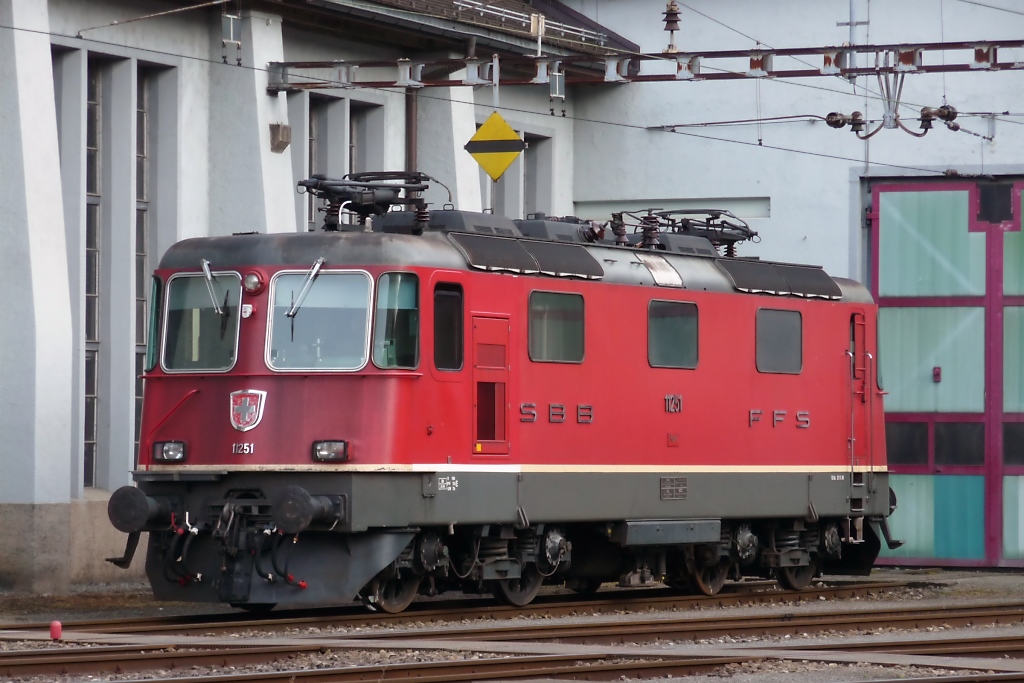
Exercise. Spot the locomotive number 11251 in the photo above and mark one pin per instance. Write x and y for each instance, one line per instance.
(243, 448)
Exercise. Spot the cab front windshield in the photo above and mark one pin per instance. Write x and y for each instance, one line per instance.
(328, 329)
(202, 323)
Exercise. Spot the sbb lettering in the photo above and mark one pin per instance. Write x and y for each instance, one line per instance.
(556, 413)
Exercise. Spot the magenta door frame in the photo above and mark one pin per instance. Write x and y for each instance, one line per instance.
(993, 302)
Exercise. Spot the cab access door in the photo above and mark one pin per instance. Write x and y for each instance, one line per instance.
(490, 385)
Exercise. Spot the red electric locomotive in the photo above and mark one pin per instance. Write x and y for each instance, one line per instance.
(455, 400)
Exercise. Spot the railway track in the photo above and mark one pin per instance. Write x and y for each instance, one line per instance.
(300, 653)
(472, 609)
(700, 628)
(590, 666)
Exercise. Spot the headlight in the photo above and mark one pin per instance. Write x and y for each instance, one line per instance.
(330, 451)
(169, 451)
(253, 283)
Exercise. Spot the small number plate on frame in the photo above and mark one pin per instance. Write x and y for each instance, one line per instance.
(673, 488)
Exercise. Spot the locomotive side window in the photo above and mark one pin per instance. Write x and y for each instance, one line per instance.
(779, 341)
(448, 327)
(198, 337)
(152, 339)
(328, 328)
(556, 327)
(672, 334)
(396, 330)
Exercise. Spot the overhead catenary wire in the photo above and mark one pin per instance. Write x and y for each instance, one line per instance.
(987, 6)
(401, 91)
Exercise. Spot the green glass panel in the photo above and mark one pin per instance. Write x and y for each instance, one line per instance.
(1013, 529)
(938, 517)
(914, 341)
(1013, 263)
(914, 519)
(1013, 359)
(960, 517)
(925, 248)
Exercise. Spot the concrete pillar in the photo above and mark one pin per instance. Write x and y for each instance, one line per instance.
(115, 428)
(69, 73)
(35, 336)
(298, 116)
(165, 161)
(447, 120)
(251, 186)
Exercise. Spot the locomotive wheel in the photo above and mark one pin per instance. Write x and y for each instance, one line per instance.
(797, 578)
(519, 592)
(710, 579)
(394, 595)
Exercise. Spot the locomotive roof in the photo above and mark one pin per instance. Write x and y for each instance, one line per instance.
(461, 240)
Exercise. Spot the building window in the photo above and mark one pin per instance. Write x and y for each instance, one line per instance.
(93, 199)
(906, 443)
(315, 116)
(556, 327)
(959, 443)
(448, 327)
(93, 129)
(142, 229)
(779, 341)
(672, 334)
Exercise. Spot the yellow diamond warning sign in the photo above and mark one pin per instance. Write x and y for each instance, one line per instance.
(495, 146)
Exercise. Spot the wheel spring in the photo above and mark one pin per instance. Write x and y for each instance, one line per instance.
(810, 538)
(493, 549)
(787, 539)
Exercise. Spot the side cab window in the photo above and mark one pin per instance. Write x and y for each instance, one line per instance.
(448, 327)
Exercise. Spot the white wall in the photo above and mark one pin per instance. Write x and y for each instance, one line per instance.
(815, 209)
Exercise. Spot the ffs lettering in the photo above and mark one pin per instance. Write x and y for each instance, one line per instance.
(780, 418)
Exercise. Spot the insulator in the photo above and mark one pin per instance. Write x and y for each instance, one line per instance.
(422, 219)
(619, 230)
(944, 113)
(650, 226)
(331, 215)
(836, 120)
(857, 122)
(730, 250)
(671, 16)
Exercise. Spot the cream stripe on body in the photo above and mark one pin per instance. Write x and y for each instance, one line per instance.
(515, 469)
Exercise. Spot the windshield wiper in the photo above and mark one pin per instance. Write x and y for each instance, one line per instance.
(208, 276)
(310, 277)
